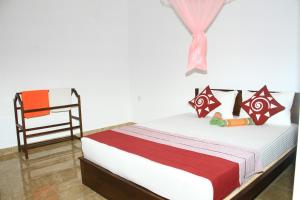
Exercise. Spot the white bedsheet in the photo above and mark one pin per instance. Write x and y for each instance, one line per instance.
(269, 140)
(171, 183)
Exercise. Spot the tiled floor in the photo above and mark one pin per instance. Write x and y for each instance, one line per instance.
(53, 172)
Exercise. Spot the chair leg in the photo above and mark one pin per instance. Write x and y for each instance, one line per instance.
(80, 117)
(17, 122)
(71, 124)
(24, 135)
(26, 153)
(18, 138)
(25, 144)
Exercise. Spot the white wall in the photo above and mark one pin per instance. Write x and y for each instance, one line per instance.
(65, 43)
(130, 56)
(251, 43)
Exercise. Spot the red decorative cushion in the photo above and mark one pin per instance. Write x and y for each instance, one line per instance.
(261, 106)
(205, 102)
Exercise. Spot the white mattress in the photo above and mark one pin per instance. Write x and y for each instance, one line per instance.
(269, 141)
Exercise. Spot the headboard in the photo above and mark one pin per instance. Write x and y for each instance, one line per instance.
(238, 101)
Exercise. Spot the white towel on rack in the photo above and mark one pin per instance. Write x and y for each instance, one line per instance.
(60, 97)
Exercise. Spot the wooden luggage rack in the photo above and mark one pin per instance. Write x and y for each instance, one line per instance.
(21, 128)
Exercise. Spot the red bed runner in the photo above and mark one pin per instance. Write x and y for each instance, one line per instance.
(223, 174)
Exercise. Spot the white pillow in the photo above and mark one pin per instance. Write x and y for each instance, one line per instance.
(227, 100)
(281, 118)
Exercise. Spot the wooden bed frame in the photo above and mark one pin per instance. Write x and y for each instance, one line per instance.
(112, 186)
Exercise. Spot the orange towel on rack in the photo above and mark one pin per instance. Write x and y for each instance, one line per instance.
(33, 100)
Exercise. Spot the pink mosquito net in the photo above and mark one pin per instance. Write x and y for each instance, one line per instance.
(197, 15)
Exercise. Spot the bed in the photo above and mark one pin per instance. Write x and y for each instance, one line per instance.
(117, 174)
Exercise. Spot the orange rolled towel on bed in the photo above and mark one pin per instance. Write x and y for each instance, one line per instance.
(238, 122)
(218, 120)
(34, 100)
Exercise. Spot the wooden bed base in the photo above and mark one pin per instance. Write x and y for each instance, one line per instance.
(114, 187)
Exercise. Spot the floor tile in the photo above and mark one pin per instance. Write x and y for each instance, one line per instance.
(53, 172)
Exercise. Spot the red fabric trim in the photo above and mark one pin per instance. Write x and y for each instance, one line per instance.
(223, 174)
